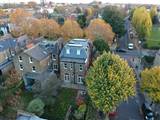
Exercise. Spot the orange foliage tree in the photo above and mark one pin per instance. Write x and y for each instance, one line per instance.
(19, 18)
(71, 29)
(98, 27)
(49, 28)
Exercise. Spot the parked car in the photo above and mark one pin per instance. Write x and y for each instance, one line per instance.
(147, 112)
(130, 46)
(120, 50)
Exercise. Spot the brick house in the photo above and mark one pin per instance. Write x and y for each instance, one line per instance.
(75, 59)
(38, 62)
(8, 49)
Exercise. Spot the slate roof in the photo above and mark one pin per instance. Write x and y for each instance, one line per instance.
(43, 49)
(7, 43)
(37, 52)
(76, 44)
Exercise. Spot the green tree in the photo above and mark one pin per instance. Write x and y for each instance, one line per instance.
(113, 84)
(142, 22)
(36, 106)
(153, 12)
(151, 83)
(115, 17)
(82, 20)
(100, 44)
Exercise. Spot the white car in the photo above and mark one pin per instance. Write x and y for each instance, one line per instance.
(130, 46)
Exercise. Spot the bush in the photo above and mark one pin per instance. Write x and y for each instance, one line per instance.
(149, 59)
(36, 106)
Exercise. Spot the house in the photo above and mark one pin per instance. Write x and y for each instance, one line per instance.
(157, 59)
(75, 59)
(8, 47)
(38, 62)
(21, 115)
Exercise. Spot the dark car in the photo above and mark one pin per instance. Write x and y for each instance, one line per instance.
(147, 112)
(120, 50)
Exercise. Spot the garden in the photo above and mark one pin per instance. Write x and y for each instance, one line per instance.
(153, 42)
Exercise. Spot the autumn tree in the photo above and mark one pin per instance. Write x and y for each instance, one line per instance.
(2, 12)
(115, 17)
(113, 84)
(151, 83)
(31, 4)
(19, 19)
(99, 27)
(49, 28)
(153, 12)
(71, 29)
(34, 28)
(142, 22)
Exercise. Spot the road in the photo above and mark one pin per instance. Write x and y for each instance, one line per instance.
(130, 110)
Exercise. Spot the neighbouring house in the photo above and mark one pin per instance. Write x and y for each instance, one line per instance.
(4, 29)
(8, 48)
(157, 59)
(75, 59)
(21, 115)
(38, 62)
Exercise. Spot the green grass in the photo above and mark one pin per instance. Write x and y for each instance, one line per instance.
(65, 98)
(153, 42)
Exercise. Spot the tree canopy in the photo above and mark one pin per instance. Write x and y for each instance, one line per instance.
(151, 83)
(71, 29)
(115, 17)
(82, 20)
(100, 45)
(114, 83)
(142, 22)
(99, 27)
(36, 106)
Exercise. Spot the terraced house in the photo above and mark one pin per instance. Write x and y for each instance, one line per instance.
(38, 63)
(8, 49)
(75, 59)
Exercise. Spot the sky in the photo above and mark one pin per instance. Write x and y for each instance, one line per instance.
(87, 1)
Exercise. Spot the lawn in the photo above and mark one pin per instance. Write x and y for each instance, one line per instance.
(153, 42)
(58, 110)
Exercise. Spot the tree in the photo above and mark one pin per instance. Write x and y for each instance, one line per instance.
(141, 20)
(36, 106)
(19, 18)
(71, 29)
(49, 28)
(81, 20)
(2, 12)
(114, 83)
(100, 45)
(31, 4)
(153, 12)
(115, 17)
(98, 27)
(151, 83)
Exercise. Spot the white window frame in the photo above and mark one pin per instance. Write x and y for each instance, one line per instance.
(68, 51)
(56, 67)
(78, 51)
(30, 60)
(21, 67)
(65, 65)
(66, 77)
(33, 70)
(71, 66)
(80, 67)
(79, 79)
(20, 60)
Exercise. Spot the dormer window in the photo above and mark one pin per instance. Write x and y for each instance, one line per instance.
(53, 57)
(30, 60)
(78, 52)
(68, 51)
(20, 58)
(21, 67)
(33, 69)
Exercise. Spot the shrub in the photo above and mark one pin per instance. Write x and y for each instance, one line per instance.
(36, 106)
